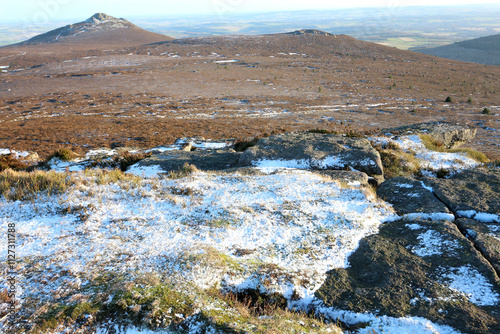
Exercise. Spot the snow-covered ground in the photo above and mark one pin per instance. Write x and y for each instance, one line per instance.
(430, 160)
(279, 231)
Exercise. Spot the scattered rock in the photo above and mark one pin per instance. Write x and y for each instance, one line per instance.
(204, 160)
(376, 180)
(471, 194)
(418, 268)
(187, 147)
(409, 196)
(448, 135)
(32, 156)
(315, 151)
(486, 237)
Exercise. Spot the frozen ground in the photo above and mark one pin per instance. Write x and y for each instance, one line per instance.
(280, 231)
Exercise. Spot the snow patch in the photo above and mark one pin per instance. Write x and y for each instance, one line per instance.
(429, 216)
(473, 285)
(385, 324)
(145, 171)
(432, 243)
(480, 216)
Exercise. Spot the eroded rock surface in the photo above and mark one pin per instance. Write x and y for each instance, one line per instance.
(204, 160)
(448, 135)
(419, 268)
(409, 196)
(486, 237)
(471, 194)
(315, 151)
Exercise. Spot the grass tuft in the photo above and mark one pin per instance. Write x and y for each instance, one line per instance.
(65, 154)
(433, 145)
(185, 170)
(396, 162)
(28, 185)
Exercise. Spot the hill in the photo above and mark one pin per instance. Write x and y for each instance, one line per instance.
(98, 30)
(484, 50)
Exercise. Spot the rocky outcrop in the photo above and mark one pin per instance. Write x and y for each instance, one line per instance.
(470, 194)
(204, 160)
(444, 270)
(448, 135)
(409, 196)
(486, 237)
(418, 268)
(310, 32)
(314, 151)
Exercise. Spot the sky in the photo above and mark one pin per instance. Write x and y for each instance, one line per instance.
(46, 11)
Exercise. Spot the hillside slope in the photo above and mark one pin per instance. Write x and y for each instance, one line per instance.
(484, 50)
(100, 29)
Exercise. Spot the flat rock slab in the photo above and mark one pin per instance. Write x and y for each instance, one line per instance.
(486, 237)
(204, 160)
(470, 194)
(418, 268)
(448, 135)
(409, 196)
(314, 151)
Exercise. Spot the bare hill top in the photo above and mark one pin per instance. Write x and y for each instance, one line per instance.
(98, 30)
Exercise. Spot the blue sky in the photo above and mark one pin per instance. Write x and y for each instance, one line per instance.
(46, 11)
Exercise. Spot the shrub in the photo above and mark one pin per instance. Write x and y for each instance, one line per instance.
(64, 153)
(449, 99)
(8, 161)
(469, 100)
(486, 111)
(241, 145)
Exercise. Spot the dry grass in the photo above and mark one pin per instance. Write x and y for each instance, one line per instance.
(28, 185)
(103, 177)
(185, 170)
(396, 162)
(64, 153)
(252, 311)
(433, 145)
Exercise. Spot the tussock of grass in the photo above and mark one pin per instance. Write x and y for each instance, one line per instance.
(186, 169)
(64, 153)
(103, 177)
(28, 185)
(396, 162)
(433, 145)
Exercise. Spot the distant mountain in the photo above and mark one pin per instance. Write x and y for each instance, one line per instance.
(484, 50)
(100, 29)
